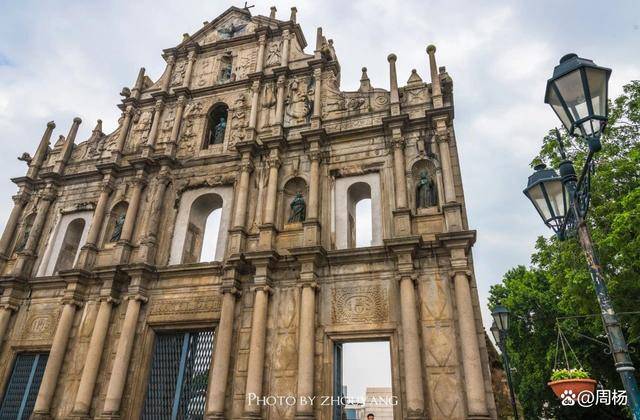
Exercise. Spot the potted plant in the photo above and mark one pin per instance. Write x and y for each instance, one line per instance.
(571, 382)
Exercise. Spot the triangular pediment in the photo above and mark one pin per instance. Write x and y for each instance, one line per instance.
(234, 22)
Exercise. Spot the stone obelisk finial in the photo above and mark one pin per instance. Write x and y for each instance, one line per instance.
(294, 12)
(67, 147)
(272, 14)
(41, 151)
(435, 77)
(393, 91)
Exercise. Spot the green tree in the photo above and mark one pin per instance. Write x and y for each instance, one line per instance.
(558, 285)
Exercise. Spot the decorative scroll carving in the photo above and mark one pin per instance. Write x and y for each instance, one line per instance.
(360, 304)
(39, 326)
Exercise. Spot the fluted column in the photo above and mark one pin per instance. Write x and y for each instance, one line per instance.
(6, 310)
(284, 61)
(255, 370)
(191, 59)
(447, 172)
(222, 356)
(280, 100)
(41, 152)
(54, 362)
(314, 185)
(118, 377)
(471, 362)
(246, 167)
(175, 131)
(262, 40)
(253, 115)
(306, 349)
(124, 131)
(171, 61)
(411, 343)
(20, 201)
(132, 210)
(148, 243)
(399, 173)
(272, 190)
(87, 385)
(153, 132)
(436, 90)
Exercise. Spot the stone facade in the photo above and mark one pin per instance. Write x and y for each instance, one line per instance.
(100, 252)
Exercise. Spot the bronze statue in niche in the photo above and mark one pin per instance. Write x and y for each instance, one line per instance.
(117, 228)
(298, 209)
(426, 195)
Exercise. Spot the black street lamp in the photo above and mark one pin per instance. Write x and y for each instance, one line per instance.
(499, 329)
(577, 93)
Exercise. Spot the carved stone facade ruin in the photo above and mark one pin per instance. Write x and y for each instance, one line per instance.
(102, 256)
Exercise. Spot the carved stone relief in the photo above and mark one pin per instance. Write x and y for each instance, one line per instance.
(274, 54)
(238, 120)
(299, 101)
(361, 304)
(204, 72)
(178, 73)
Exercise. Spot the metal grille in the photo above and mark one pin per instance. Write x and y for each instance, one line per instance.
(179, 376)
(20, 396)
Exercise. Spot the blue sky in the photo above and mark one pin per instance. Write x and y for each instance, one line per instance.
(61, 59)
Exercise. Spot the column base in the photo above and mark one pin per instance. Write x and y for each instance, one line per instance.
(309, 416)
(478, 417)
(214, 416)
(40, 416)
(78, 416)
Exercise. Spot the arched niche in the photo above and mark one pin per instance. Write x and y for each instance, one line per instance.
(216, 127)
(434, 177)
(115, 221)
(196, 214)
(65, 241)
(25, 230)
(290, 191)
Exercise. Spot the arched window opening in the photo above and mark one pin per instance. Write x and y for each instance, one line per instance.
(210, 239)
(359, 215)
(217, 125)
(116, 221)
(70, 246)
(201, 240)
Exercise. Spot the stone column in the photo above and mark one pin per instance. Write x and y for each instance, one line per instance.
(124, 130)
(246, 167)
(255, 370)
(314, 186)
(445, 158)
(153, 133)
(6, 310)
(411, 343)
(280, 100)
(261, 45)
(83, 399)
(317, 98)
(306, 349)
(435, 78)
(175, 131)
(54, 362)
(253, 115)
(87, 254)
(399, 173)
(132, 210)
(284, 62)
(171, 61)
(222, 356)
(272, 190)
(118, 378)
(471, 362)
(20, 201)
(148, 243)
(191, 58)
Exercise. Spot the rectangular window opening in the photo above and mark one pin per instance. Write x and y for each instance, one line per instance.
(20, 396)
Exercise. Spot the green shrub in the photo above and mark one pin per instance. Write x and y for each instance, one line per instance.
(560, 374)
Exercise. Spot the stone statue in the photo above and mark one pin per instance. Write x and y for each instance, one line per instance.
(218, 131)
(425, 192)
(298, 209)
(273, 54)
(226, 69)
(117, 228)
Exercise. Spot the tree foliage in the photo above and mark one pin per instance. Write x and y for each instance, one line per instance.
(558, 285)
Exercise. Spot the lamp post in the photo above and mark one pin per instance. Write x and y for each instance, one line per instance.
(499, 330)
(577, 93)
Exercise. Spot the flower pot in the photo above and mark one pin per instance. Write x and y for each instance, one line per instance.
(576, 386)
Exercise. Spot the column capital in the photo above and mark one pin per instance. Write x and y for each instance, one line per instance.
(138, 297)
(398, 143)
(246, 166)
(171, 60)
(9, 306)
(232, 290)
(191, 56)
(307, 283)
(182, 100)
(159, 105)
(454, 272)
(110, 299)
(274, 162)
(280, 81)
(315, 155)
(22, 198)
(262, 288)
(73, 301)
